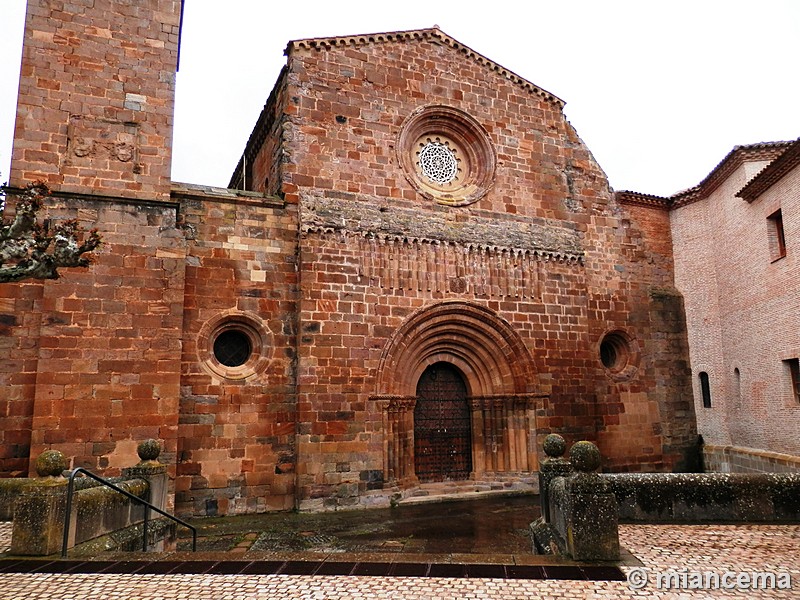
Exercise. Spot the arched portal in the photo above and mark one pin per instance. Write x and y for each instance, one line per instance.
(499, 380)
(442, 428)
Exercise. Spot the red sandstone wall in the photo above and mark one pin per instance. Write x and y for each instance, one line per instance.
(93, 358)
(96, 97)
(109, 345)
(348, 105)
(123, 351)
(92, 361)
(647, 417)
(742, 310)
(236, 436)
(19, 347)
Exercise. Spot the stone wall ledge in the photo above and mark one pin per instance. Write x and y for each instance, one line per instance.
(777, 457)
(706, 497)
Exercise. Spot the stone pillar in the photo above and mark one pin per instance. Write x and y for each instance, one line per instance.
(592, 531)
(555, 465)
(38, 528)
(152, 471)
(399, 441)
(478, 438)
(155, 474)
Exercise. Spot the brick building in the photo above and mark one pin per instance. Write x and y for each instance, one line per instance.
(418, 271)
(735, 249)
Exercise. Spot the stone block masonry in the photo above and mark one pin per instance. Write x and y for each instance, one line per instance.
(236, 450)
(545, 250)
(273, 337)
(96, 97)
(102, 367)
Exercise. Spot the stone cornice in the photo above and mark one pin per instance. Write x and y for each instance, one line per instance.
(433, 34)
(639, 199)
(542, 255)
(369, 217)
(190, 191)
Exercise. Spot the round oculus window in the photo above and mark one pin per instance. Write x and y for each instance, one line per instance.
(232, 348)
(619, 354)
(446, 155)
(235, 346)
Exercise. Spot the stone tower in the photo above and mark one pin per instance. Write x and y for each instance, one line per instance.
(94, 114)
(91, 362)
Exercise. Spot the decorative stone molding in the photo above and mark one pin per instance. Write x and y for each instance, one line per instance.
(339, 213)
(503, 433)
(247, 325)
(93, 141)
(485, 348)
(463, 168)
(398, 427)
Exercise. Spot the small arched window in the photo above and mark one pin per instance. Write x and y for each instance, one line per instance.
(737, 386)
(705, 389)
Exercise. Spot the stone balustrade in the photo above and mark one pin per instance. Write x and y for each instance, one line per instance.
(39, 504)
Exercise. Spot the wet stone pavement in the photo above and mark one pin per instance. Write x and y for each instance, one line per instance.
(481, 527)
(466, 550)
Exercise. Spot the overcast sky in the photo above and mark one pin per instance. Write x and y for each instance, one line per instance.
(659, 91)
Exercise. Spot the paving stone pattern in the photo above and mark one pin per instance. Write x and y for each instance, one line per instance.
(5, 535)
(660, 548)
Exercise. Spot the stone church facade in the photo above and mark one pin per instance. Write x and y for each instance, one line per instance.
(417, 271)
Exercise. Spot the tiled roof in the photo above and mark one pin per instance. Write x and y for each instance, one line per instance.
(733, 160)
(628, 197)
(413, 35)
(772, 173)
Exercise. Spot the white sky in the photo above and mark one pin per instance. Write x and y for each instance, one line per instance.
(659, 91)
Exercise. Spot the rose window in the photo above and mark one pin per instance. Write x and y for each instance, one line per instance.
(438, 162)
(446, 155)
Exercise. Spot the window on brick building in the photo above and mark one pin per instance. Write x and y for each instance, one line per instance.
(793, 364)
(737, 386)
(775, 235)
(705, 389)
(446, 155)
(232, 348)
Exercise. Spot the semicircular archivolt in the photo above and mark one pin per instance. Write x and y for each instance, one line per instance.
(472, 337)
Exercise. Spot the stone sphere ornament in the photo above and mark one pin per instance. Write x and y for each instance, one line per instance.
(585, 457)
(554, 445)
(148, 450)
(50, 463)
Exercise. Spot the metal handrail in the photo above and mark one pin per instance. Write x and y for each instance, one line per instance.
(147, 508)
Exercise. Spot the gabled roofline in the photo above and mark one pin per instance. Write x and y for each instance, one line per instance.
(434, 33)
(732, 161)
(772, 173)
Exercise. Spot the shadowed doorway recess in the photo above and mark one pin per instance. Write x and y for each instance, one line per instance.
(442, 430)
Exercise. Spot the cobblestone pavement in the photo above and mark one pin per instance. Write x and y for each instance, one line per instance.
(5, 535)
(684, 550)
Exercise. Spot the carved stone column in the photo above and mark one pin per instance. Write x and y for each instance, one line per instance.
(504, 433)
(478, 438)
(398, 455)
